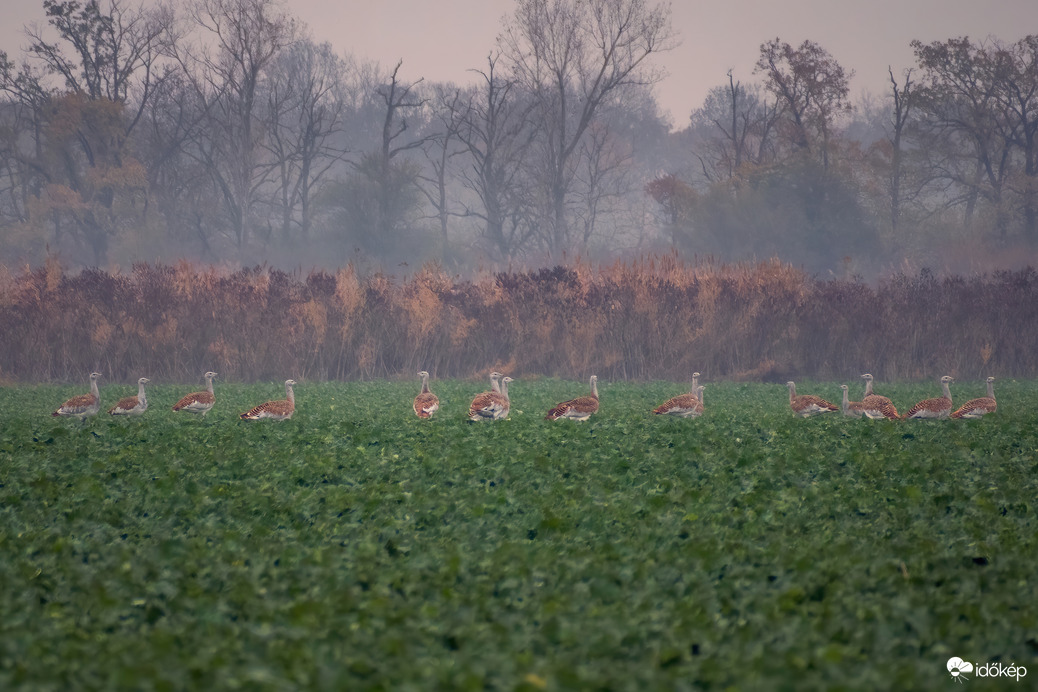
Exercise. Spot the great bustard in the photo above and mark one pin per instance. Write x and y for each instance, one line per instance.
(851, 409)
(979, 407)
(132, 405)
(198, 402)
(938, 407)
(807, 404)
(875, 406)
(684, 405)
(426, 403)
(281, 409)
(580, 408)
(491, 405)
(83, 405)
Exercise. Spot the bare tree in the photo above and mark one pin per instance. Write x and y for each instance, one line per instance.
(304, 113)
(399, 99)
(1018, 103)
(497, 132)
(900, 114)
(733, 127)
(225, 65)
(381, 197)
(440, 149)
(574, 56)
(602, 179)
(113, 49)
(967, 140)
(812, 89)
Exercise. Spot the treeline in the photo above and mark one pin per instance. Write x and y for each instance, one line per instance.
(656, 318)
(219, 131)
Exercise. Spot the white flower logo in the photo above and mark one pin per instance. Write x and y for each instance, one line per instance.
(957, 667)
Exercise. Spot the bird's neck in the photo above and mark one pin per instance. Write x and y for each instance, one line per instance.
(140, 391)
(93, 388)
(991, 389)
(868, 387)
(946, 390)
(289, 394)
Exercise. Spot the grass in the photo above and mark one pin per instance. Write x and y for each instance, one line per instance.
(357, 547)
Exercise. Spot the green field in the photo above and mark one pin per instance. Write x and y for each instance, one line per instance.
(357, 547)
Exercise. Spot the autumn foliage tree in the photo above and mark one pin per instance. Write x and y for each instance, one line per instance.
(83, 178)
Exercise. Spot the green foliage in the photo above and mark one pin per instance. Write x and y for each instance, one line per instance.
(357, 547)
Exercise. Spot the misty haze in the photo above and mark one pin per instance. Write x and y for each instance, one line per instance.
(159, 142)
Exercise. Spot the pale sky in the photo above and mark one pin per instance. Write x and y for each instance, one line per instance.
(441, 40)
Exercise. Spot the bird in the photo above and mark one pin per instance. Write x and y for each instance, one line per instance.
(198, 402)
(492, 405)
(807, 404)
(875, 406)
(132, 405)
(938, 407)
(83, 405)
(684, 405)
(580, 408)
(978, 408)
(275, 410)
(851, 409)
(485, 398)
(426, 403)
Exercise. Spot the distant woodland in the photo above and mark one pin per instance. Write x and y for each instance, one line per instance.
(218, 132)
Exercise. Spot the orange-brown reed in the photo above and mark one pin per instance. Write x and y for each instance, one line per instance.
(652, 318)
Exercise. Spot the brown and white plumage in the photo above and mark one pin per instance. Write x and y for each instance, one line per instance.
(426, 403)
(491, 405)
(851, 409)
(132, 405)
(198, 402)
(938, 407)
(684, 405)
(875, 406)
(980, 407)
(808, 404)
(580, 408)
(281, 409)
(83, 405)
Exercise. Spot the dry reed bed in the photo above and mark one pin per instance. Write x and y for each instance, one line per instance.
(656, 318)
